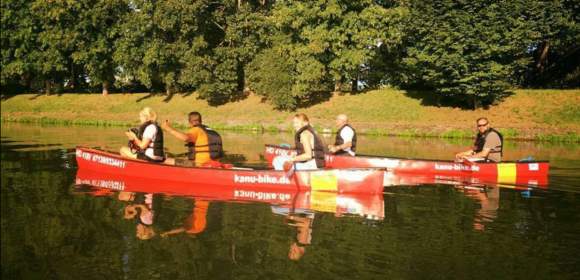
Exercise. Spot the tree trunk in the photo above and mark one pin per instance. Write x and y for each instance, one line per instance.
(338, 86)
(543, 56)
(241, 75)
(354, 87)
(47, 87)
(105, 88)
(73, 79)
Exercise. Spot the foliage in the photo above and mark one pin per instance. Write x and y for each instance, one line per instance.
(474, 50)
(292, 53)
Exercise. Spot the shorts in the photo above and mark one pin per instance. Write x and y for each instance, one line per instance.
(142, 156)
(184, 162)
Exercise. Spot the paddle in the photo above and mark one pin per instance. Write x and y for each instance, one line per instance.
(527, 159)
(290, 168)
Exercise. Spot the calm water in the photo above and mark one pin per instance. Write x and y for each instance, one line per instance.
(52, 229)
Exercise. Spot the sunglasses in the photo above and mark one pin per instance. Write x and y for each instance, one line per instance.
(480, 125)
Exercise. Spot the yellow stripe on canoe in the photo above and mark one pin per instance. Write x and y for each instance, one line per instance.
(323, 181)
(323, 201)
(506, 173)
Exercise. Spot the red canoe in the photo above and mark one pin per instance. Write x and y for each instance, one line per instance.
(517, 173)
(402, 179)
(368, 205)
(330, 180)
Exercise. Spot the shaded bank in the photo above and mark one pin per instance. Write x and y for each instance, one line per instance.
(549, 115)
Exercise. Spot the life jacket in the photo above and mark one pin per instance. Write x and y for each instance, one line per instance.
(318, 148)
(339, 141)
(214, 144)
(480, 142)
(158, 143)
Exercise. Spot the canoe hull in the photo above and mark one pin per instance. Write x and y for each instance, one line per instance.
(505, 172)
(333, 180)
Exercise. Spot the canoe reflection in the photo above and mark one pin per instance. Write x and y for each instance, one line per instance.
(297, 207)
(370, 206)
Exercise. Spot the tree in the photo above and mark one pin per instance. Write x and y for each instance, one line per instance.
(242, 29)
(473, 51)
(98, 28)
(322, 44)
(158, 38)
(18, 39)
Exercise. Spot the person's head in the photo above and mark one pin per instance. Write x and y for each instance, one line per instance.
(299, 121)
(194, 118)
(130, 212)
(147, 114)
(341, 120)
(482, 125)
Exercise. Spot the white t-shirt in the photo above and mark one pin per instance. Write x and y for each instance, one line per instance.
(149, 133)
(347, 134)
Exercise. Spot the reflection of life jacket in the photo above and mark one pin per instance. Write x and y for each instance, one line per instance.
(158, 143)
(480, 142)
(214, 144)
(197, 222)
(339, 141)
(318, 149)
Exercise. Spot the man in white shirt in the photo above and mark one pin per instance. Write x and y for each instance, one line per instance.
(345, 142)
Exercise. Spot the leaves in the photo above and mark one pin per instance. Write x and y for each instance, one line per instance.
(463, 50)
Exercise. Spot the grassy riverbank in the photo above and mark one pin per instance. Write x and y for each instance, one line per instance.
(550, 115)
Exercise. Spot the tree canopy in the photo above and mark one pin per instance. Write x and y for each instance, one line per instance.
(292, 53)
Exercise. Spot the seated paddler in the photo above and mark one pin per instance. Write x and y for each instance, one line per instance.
(146, 141)
(204, 145)
(345, 141)
(488, 145)
(309, 147)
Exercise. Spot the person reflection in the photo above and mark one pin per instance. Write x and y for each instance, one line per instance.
(140, 209)
(195, 223)
(488, 198)
(303, 235)
(302, 220)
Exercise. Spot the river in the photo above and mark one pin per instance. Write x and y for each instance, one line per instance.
(52, 228)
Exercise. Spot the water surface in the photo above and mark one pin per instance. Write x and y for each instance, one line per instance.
(52, 229)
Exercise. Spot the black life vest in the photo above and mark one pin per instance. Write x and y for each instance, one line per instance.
(318, 148)
(480, 142)
(158, 143)
(214, 144)
(339, 141)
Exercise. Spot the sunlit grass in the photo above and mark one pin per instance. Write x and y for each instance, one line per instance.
(547, 115)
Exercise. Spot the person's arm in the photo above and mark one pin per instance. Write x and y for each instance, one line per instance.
(142, 144)
(173, 231)
(463, 155)
(346, 134)
(483, 154)
(306, 139)
(343, 146)
(176, 133)
(491, 141)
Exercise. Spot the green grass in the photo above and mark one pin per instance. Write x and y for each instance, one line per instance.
(528, 114)
(563, 138)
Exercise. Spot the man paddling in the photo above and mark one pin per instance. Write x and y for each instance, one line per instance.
(488, 144)
(204, 144)
(309, 147)
(345, 141)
